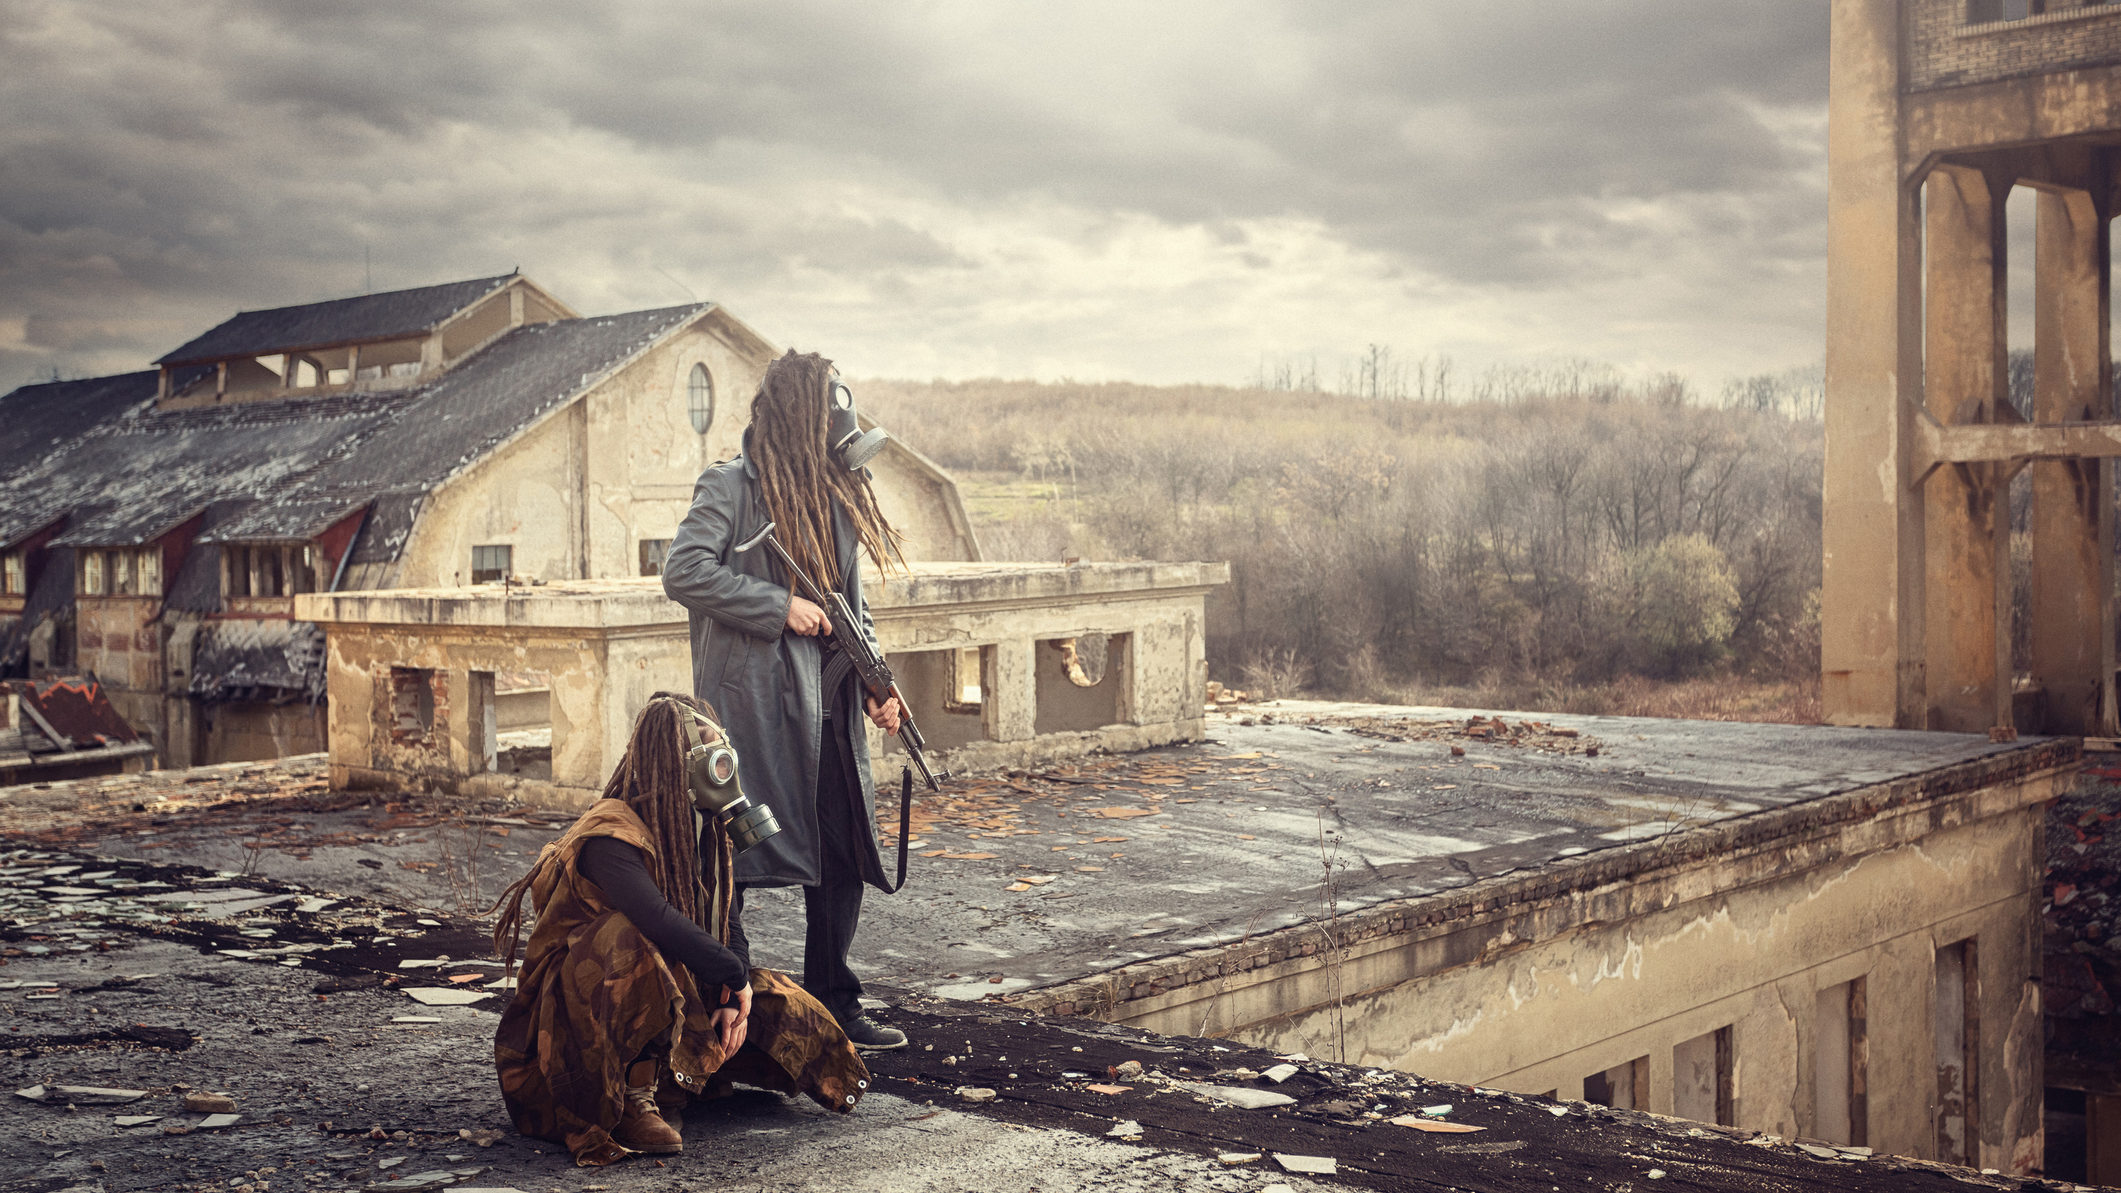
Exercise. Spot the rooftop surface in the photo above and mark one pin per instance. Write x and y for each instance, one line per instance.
(1038, 878)
(360, 318)
(312, 1012)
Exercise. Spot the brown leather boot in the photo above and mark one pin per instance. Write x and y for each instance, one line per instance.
(641, 1126)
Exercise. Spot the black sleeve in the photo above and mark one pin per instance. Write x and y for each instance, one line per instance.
(621, 872)
(738, 942)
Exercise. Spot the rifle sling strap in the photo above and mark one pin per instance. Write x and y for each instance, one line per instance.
(905, 825)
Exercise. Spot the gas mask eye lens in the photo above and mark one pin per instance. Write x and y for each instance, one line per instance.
(721, 766)
(842, 397)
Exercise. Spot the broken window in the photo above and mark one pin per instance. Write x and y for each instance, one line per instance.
(491, 564)
(1958, 1035)
(13, 579)
(1701, 1078)
(699, 398)
(92, 573)
(965, 680)
(1840, 1060)
(1623, 1087)
(412, 703)
(654, 552)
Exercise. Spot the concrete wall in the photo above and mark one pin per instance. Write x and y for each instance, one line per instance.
(1535, 982)
(604, 647)
(250, 731)
(1945, 51)
(117, 642)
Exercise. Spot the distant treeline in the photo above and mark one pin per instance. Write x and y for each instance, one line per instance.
(1382, 546)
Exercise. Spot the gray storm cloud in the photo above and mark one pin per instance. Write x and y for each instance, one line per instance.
(1152, 191)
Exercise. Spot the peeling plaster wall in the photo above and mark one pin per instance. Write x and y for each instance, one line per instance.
(1534, 983)
(643, 455)
(526, 495)
(595, 688)
(577, 494)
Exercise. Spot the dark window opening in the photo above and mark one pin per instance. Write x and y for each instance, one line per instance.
(1623, 1087)
(654, 553)
(412, 703)
(491, 564)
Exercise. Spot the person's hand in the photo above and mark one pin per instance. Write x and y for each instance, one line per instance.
(886, 715)
(805, 618)
(731, 1022)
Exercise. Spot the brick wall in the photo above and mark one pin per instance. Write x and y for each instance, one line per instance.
(1945, 51)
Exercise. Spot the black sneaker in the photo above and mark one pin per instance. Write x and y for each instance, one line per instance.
(870, 1036)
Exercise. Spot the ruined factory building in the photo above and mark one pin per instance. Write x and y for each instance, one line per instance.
(1943, 113)
(156, 527)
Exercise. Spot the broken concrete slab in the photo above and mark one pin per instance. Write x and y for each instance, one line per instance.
(1238, 1095)
(444, 996)
(81, 1095)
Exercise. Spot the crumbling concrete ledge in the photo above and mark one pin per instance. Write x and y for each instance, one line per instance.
(1537, 978)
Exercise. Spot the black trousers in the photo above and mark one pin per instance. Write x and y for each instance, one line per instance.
(833, 908)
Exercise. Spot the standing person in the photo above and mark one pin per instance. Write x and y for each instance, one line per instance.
(787, 697)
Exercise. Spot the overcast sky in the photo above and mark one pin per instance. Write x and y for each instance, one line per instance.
(1158, 191)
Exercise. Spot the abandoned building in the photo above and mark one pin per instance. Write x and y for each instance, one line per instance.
(1003, 665)
(156, 527)
(1942, 113)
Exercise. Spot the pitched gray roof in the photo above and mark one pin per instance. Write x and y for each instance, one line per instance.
(282, 468)
(359, 319)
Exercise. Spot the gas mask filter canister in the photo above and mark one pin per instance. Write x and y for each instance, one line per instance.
(711, 776)
(850, 445)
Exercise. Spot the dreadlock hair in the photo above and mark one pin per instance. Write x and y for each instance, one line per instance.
(650, 779)
(798, 477)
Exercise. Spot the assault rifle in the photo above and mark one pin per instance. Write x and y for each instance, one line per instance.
(874, 673)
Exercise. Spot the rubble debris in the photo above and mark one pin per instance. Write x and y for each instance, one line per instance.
(1126, 1129)
(81, 1095)
(1234, 1159)
(1308, 1165)
(202, 1102)
(1280, 1073)
(1434, 1125)
(136, 1120)
(975, 1093)
(1238, 1095)
(1537, 735)
(444, 996)
(215, 1121)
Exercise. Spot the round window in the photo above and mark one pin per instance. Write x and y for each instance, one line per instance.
(699, 399)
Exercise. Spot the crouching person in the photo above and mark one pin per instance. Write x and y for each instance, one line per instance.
(636, 990)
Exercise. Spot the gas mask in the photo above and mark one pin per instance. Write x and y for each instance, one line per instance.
(710, 774)
(849, 444)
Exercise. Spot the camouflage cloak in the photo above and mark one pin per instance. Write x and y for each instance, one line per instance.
(594, 995)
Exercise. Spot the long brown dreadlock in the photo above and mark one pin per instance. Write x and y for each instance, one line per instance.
(797, 474)
(651, 781)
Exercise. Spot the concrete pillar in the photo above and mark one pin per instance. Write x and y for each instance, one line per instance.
(1966, 506)
(1872, 602)
(1011, 705)
(2072, 624)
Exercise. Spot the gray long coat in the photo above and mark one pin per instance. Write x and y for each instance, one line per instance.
(761, 679)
